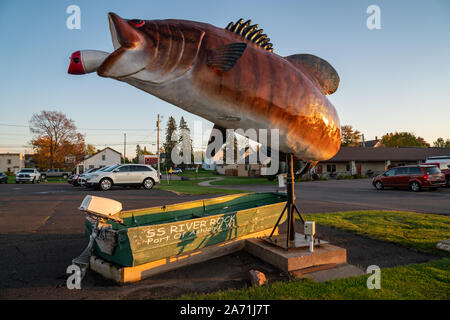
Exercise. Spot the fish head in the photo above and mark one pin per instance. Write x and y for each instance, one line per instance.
(133, 51)
(153, 51)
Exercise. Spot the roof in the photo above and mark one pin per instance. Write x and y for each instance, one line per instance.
(94, 154)
(346, 154)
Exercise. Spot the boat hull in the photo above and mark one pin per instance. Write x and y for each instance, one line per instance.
(212, 221)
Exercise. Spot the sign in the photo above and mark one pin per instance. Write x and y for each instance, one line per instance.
(170, 171)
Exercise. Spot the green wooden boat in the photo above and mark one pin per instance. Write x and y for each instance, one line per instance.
(151, 234)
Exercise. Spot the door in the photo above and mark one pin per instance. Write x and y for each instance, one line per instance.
(401, 177)
(388, 178)
(122, 175)
(136, 175)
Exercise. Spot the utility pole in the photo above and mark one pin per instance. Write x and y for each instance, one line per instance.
(124, 147)
(157, 145)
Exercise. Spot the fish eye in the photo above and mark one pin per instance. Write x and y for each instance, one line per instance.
(137, 23)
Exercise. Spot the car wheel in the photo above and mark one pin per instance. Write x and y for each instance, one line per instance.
(106, 184)
(43, 177)
(448, 182)
(148, 183)
(65, 176)
(379, 185)
(34, 181)
(415, 186)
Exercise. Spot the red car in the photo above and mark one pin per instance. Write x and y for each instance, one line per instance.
(412, 177)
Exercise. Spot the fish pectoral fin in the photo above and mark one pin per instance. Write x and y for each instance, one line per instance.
(224, 58)
(318, 69)
(216, 140)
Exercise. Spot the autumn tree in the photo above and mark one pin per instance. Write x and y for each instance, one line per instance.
(56, 138)
(350, 137)
(90, 149)
(403, 139)
(440, 143)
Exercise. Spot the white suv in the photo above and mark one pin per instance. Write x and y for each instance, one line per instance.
(123, 175)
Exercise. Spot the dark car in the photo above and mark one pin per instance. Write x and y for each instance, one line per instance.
(3, 178)
(412, 177)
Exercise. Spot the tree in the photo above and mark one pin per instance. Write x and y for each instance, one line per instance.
(65, 156)
(171, 129)
(350, 137)
(56, 134)
(440, 143)
(90, 149)
(185, 139)
(403, 139)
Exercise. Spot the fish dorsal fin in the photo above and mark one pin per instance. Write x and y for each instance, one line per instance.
(251, 32)
(225, 57)
(320, 70)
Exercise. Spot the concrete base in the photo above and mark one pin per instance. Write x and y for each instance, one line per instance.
(325, 254)
(328, 272)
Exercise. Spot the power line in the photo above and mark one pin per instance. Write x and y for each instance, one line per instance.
(89, 129)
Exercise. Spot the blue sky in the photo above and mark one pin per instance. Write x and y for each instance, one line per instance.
(393, 79)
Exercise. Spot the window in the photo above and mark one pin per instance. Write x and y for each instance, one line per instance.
(433, 170)
(331, 167)
(124, 169)
(415, 170)
(140, 168)
(91, 166)
(401, 171)
(347, 167)
(9, 161)
(390, 173)
(103, 157)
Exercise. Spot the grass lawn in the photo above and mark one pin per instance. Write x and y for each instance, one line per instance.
(12, 179)
(227, 181)
(200, 174)
(429, 280)
(417, 231)
(192, 187)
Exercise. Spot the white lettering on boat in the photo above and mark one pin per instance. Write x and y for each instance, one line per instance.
(184, 231)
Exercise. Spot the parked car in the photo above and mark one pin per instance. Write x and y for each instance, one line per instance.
(177, 170)
(124, 175)
(3, 178)
(73, 179)
(442, 163)
(82, 178)
(28, 175)
(55, 173)
(413, 177)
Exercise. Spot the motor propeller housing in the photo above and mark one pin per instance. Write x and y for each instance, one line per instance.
(86, 61)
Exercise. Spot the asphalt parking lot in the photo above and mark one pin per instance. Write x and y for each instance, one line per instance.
(359, 194)
(41, 231)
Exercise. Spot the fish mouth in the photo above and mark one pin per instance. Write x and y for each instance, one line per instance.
(125, 38)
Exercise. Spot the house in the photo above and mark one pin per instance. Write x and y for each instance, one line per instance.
(11, 162)
(248, 165)
(102, 158)
(374, 160)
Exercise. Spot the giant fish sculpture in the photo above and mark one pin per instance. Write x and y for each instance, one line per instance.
(229, 76)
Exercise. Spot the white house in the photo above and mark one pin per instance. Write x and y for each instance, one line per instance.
(102, 158)
(11, 162)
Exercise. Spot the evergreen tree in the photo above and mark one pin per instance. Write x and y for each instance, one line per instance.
(169, 144)
(138, 154)
(185, 140)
